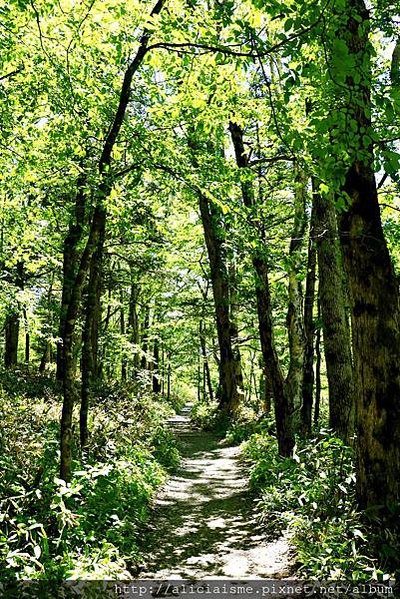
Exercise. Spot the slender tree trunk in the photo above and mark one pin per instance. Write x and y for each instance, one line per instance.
(12, 324)
(123, 333)
(233, 314)
(205, 361)
(145, 331)
(283, 397)
(294, 318)
(70, 266)
(332, 297)
(11, 340)
(133, 324)
(156, 366)
(309, 328)
(169, 378)
(318, 367)
(91, 335)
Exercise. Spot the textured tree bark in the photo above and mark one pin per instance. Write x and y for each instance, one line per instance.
(11, 340)
(294, 318)
(70, 266)
(282, 399)
(98, 224)
(374, 290)
(228, 393)
(318, 360)
(309, 330)
(266, 391)
(332, 297)
(90, 336)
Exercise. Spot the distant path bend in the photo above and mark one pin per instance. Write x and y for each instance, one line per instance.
(204, 523)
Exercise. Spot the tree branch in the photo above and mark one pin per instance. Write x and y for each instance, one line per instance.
(11, 74)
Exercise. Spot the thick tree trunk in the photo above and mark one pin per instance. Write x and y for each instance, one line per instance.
(309, 329)
(373, 286)
(233, 314)
(265, 386)
(332, 296)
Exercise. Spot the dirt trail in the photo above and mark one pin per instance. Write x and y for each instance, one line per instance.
(204, 524)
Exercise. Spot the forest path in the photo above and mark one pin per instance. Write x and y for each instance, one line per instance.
(204, 523)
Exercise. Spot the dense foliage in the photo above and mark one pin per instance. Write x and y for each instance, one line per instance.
(87, 528)
(198, 200)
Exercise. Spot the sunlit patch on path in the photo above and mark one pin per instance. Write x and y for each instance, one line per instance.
(204, 524)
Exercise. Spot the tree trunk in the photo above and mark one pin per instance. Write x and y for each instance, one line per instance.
(91, 335)
(122, 330)
(133, 323)
(46, 357)
(229, 395)
(373, 287)
(332, 297)
(294, 318)
(283, 398)
(70, 266)
(156, 366)
(11, 340)
(205, 361)
(169, 378)
(97, 225)
(309, 328)
(145, 332)
(318, 366)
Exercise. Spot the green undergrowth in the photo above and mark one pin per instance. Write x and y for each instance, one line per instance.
(89, 528)
(208, 416)
(313, 496)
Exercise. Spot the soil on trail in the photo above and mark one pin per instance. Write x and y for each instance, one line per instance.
(204, 524)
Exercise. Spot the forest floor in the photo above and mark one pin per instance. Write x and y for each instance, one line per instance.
(205, 523)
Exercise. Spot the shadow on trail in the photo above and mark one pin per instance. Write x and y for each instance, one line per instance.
(204, 523)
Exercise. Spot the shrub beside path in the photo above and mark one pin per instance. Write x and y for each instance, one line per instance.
(204, 523)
